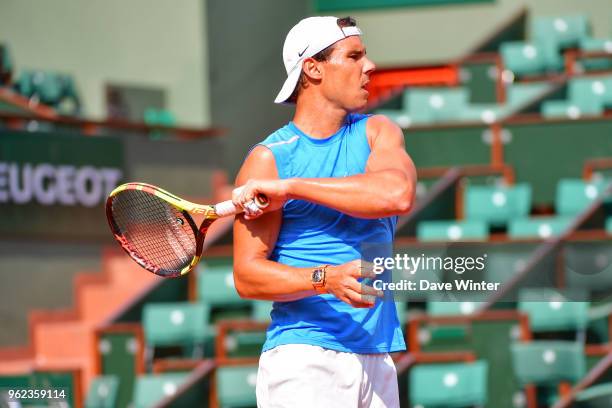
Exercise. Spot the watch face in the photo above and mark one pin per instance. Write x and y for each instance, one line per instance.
(317, 276)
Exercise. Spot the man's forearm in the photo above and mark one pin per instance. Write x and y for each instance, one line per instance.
(370, 195)
(268, 280)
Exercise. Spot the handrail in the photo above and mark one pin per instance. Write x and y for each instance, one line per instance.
(198, 374)
(545, 249)
(596, 372)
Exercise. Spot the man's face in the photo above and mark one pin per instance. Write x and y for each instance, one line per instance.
(346, 73)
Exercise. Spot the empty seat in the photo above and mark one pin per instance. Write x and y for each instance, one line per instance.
(103, 392)
(561, 109)
(523, 58)
(402, 118)
(588, 265)
(497, 205)
(430, 105)
(552, 310)
(262, 310)
(50, 88)
(548, 362)
(596, 45)
(159, 117)
(236, 386)
(556, 33)
(538, 227)
(216, 286)
(575, 195)
(486, 113)
(175, 324)
(151, 389)
(452, 230)
(449, 385)
(453, 308)
(591, 95)
(563, 31)
(609, 225)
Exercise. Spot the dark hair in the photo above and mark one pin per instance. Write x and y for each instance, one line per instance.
(320, 56)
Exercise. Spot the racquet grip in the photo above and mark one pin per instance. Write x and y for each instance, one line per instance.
(227, 208)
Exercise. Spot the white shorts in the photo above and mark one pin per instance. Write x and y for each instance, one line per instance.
(301, 375)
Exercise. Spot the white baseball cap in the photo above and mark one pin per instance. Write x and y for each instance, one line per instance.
(308, 37)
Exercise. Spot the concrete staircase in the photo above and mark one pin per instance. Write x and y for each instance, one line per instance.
(64, 339)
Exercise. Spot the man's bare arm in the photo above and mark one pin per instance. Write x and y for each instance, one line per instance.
(386, 188)
(257, 277)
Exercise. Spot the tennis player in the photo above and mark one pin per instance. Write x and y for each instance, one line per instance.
(336, 180)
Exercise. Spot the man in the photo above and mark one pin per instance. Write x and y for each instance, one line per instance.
(336, 181)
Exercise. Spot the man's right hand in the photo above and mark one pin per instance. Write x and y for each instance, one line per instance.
(341, 281)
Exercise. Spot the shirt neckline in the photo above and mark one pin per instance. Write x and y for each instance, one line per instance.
(318, 141)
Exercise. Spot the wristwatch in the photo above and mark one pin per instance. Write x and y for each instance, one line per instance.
(317, 278)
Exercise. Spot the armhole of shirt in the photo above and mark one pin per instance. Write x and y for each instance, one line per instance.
(280, 169)
(363, 123)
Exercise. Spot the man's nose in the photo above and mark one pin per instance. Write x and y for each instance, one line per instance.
(369, 66)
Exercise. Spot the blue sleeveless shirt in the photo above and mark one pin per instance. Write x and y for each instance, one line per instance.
(312, 235)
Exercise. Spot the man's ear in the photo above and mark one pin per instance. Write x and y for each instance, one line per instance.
(311, 68)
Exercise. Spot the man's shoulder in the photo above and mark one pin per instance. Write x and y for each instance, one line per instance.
(282, 136)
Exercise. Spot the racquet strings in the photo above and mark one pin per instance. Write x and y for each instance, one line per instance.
(158, 235)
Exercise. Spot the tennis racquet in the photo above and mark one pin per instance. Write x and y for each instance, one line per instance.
(155, 229)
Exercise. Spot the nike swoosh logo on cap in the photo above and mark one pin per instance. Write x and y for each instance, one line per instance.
(302, 53)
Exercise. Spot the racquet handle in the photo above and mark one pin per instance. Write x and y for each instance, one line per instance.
(227, 208)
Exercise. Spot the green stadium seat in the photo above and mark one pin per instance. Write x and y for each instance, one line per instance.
(497, 205)
(538, 227)
(159, 117)
(216, 286)
(596, 396)
(24, 85)
(261, 313)
(486, 113)
(452, 230)
(591, 95)
(51, 88)
(505, 261)
(609, 226)
(575, 195)
(103, 392)
(431, 105)
(236, 386)
(548, 362)
(449, 385)
(262, 310)
(522, 58)
(175, 324)
(596, 45)
(558, 32)
(398, 116)
(563, 31)
(588, 265)
(452, 308)
(152, 388)
(402, 312)
(549, 310)
(561, 109)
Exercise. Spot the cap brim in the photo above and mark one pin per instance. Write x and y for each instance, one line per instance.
(289, 85)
